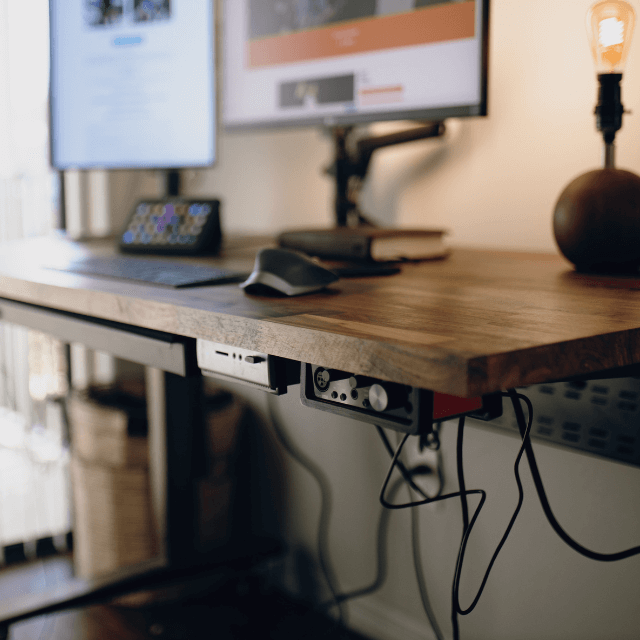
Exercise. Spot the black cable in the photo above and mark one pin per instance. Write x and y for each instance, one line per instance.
(468, 530)
(467, 533)
(408, 475)
(416, 503)
(325, 506)
(401, 467)
(465, 519)
(381, 571)
(537, 481)
(460, 468)
(415, 546)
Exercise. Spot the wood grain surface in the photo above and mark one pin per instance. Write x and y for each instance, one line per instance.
(476, 322)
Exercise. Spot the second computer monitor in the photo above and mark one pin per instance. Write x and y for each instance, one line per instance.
(132, 84)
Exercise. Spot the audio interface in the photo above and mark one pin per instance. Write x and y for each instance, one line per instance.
(387, 404)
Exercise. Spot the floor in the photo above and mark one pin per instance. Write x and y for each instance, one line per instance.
(223, 613)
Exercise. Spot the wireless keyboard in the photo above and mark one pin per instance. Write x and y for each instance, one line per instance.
(160, 272)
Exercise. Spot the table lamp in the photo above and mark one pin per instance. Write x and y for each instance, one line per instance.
(597, 217)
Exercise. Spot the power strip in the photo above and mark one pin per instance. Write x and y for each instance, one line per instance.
(599, 417)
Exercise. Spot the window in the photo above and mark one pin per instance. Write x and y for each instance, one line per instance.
(34, 491)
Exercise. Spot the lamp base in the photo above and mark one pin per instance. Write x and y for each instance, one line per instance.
(596, 222)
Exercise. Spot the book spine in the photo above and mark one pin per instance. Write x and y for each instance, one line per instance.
(336, 247)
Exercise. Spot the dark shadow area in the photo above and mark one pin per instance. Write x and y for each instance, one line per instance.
(236, 609)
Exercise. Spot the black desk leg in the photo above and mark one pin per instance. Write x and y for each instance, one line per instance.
(185, 463)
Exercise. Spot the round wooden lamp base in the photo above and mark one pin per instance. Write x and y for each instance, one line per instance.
(597, 221)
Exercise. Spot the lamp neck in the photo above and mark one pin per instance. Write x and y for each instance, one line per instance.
(609, 109)
(609, 155)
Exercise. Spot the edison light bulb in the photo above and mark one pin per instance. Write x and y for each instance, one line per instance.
(610, 27)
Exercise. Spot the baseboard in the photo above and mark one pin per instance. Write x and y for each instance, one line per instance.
(375, 619)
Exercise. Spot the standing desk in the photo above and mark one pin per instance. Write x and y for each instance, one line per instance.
(474, 323)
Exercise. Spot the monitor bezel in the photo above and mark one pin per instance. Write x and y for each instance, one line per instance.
(431, 115)
(215, 95)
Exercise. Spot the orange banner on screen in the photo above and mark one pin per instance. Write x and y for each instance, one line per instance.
(381, 95)
(440, 23)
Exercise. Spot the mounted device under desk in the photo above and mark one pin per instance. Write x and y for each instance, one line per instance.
(473, 324)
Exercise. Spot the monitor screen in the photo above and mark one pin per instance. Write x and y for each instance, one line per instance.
(346, 61)
(132, 84)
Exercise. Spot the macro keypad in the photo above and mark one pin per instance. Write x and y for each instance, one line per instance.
(173, 226)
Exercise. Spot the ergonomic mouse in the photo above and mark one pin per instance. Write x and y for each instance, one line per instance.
(286, 272)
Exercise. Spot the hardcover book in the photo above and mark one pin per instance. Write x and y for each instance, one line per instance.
(367, 243)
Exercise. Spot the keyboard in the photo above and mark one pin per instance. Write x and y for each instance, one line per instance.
(159, 272)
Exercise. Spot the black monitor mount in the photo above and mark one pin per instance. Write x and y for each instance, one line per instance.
(350, 166)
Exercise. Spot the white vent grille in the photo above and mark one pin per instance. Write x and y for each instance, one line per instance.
(597, 416)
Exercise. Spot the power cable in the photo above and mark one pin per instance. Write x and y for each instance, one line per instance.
(467, 533)
(415, 527)
(465, 520)
(469, 528)
(537, 481)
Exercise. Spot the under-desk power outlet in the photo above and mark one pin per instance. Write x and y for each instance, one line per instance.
(254, 368)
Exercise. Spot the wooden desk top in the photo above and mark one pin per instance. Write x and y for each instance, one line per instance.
(476, 322)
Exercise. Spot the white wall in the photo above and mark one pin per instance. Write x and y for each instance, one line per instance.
(493, 182)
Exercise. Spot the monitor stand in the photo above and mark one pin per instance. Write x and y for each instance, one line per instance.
(172, 183)
(350, 167)
(350, 170)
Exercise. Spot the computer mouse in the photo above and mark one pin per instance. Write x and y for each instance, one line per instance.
(286, 272)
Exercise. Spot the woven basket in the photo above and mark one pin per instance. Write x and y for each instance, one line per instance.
(114, 522)
(110, 478)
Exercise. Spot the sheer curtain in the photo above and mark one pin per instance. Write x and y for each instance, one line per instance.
(34, 496)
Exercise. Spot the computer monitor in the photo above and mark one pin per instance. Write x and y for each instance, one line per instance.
(342, 62)
(132, 84)
(339, 62)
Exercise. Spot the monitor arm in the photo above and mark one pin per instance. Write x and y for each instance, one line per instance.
(350, 168)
